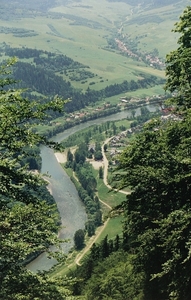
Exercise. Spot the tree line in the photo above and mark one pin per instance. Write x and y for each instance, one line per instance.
(87, 185)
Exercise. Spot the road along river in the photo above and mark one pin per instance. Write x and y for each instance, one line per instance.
(71, 209)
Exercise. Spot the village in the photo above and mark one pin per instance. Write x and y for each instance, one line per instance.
(120, 141)
(152, 60)
(123, 104)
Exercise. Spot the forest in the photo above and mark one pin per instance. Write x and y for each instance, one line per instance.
(151, 258)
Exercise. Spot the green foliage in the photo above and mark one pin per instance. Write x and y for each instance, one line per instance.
(86, 177)
(158, 170)
(28, 224)
(101, 172)
(178, 67)
(79, 239)
(90, 227)
(28, 286)
(32, 158)
(98, 155)
(114, 279)
(107, 273)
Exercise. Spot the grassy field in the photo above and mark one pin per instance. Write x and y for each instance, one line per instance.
(84, 29)
(152, 29)
(113, 228)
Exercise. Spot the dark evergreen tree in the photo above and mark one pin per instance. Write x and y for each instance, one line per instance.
(101, 172)
(79, 237)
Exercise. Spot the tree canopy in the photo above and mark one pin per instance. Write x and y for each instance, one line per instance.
(28, 224)
(178, 64)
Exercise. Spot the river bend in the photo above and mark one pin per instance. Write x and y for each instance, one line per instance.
(71, 209)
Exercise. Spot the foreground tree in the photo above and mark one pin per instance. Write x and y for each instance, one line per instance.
(27, 223)
(157, 167)
(178, 64)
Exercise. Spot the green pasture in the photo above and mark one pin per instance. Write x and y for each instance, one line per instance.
(114, 227)
(102, 11)
(142, 93)
(109, 196)
(82, 35)
(152, 28)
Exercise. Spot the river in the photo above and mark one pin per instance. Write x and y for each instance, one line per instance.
(71, 209)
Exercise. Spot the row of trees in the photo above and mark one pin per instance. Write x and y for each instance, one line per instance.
(88, 186)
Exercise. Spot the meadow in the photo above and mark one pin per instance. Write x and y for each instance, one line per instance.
(85, 30)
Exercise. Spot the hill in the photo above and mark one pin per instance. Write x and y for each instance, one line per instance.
(113, 39)
(148, 3)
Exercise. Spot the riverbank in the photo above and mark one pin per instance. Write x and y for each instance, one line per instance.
(70, 207)
(61, 157)
(61, 124)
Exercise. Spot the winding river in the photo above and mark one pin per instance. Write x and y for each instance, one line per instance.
(72, 211)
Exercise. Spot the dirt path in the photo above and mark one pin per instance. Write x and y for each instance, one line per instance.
(74, 175)
(91, 241)
(104, 203)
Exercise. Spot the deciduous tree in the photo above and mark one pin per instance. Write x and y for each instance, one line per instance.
(27, 223)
